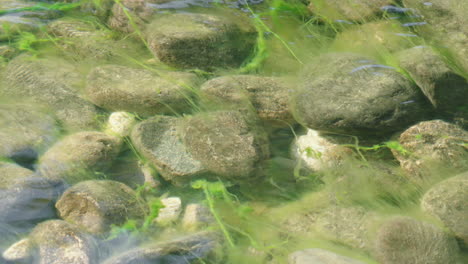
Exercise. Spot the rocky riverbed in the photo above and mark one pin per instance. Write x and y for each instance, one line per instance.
(199, 131)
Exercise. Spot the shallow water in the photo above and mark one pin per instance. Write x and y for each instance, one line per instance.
(260, 216)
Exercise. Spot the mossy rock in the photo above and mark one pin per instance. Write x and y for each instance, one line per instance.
(158, 140)
(25, 132)
(95, 205)
(79, 156)
(404, 240)
(448, 201)
(443, 86)
(140, 91)
(59, 242)
(227, 143)
(350, 94)
(189, 40)
(268, 96)
(431, 145)
(53, 83)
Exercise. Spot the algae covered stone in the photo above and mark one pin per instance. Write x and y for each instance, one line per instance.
(79, 156)
(448, 201)
(350, 94)
(267, 95)
(158, 140)
(443, 86)
(59, 242)
(207, 41)
(140, 91)
(95, 205)
(227, 143)
(25, 131)
(433, 144)
(51, 82)
(358, 10)
(404, 240)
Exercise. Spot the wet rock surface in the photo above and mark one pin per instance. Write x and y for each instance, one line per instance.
(446, 89)
(350, 94)
(56, 241)
(93, 152)
(448, 201)
(352, 10)
(139, 91)
(200, 40)
(96, 205)
(267, 95)
(52, 83)
(25, 132)
(406, 240)
(430, 143)
(181, 250)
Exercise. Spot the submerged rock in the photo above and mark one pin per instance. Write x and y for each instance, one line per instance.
(59, 242)
(448, 201)
(227, 143)
(185, 249)
(120, 124)
(220, 143)
(157, 139)
(357, 10)
(446, 89)
(170, 212)
(404, 240)
(432, 144)
(319, 256)
(267, 95)
(96, 205)
(350, 94)
(188, 40)
(140, 91)
(53, 83)
(19, 252)
(139, 12)
(25, 132)
(25, 198)
(316, 152)
(79, 156)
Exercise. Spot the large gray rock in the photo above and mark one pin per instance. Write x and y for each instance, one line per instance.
(96, 205)
(448, 201)
(186, 40)
(140, 91)
(59, 242)
(404, 240)
(430, 145)
(350, 94)
(267, 95)
(79, 156)
(331, 10)
(158, 140)
(446, 89)
(319, 256)
(184, 249)
(50, 82)
(25, 131)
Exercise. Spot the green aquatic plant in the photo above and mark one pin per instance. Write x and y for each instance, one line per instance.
(43, 7)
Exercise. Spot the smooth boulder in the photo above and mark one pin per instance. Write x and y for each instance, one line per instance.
(95, 205)
(140, 91)
(448, 202)
(206, 41)
(79, 156)
(350, 94)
